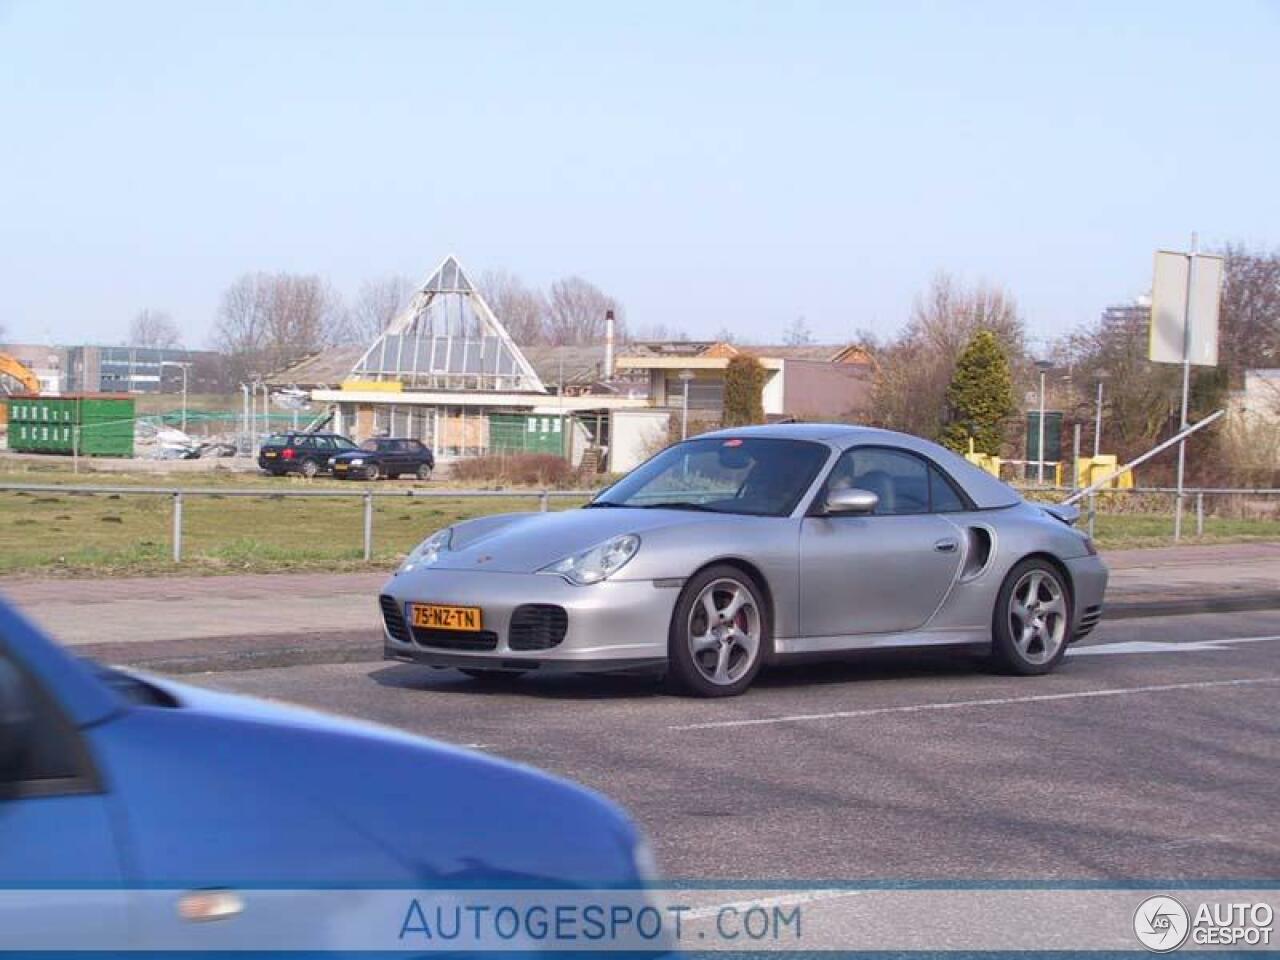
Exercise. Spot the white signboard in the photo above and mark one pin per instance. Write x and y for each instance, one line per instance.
(1169, 303)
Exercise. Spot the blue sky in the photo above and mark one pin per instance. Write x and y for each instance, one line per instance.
(711, 164)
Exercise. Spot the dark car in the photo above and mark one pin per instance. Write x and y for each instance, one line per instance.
(385, 457)
(304, 453)
(141, 814)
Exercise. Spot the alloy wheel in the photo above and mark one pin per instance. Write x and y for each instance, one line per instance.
(1038, 616)
(724, 631)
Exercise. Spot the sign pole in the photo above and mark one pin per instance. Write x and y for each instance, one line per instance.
(1186, 387)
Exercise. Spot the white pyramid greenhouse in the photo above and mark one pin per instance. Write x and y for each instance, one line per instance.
(448, 339)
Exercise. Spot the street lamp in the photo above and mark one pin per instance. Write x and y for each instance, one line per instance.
(685, 377)
(1043, 366)
(183, 367)
(1097, 422)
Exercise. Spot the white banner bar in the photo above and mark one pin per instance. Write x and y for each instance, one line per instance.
(849, 919)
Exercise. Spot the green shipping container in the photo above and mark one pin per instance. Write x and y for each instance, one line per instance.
(526, 433)
(95, 425)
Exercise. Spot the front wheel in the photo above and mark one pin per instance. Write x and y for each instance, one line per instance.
(1032, 620)
(309, 469)
(424, 471)
(372, 472)
(720, 634)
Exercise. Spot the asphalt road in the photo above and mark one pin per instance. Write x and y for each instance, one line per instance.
(1152, 754)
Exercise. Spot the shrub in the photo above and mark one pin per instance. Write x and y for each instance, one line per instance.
(743, 391)
(516, 469)
(980, 397)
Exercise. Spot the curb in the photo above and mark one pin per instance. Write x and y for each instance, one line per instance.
(1184, 606)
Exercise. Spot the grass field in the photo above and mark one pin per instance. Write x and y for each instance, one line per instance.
(65, 533)
(75, 534)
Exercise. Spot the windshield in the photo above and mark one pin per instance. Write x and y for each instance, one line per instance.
(761, 477)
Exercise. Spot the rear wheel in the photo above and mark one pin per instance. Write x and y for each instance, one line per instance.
(1032, 620)
(720, 634)
(424, 471)
(309, 468)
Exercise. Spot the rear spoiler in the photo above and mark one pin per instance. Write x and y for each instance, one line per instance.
(1068, 515)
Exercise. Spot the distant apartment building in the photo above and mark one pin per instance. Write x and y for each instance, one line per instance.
(94, 369)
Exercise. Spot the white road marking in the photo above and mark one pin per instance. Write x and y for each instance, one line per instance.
(783, 900)
(989, 702)
(1162, 646)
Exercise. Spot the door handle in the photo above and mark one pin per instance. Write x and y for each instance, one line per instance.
(946, 546)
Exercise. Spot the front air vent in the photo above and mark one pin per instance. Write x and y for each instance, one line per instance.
(455, 639)
(537, 626)
(393, 618)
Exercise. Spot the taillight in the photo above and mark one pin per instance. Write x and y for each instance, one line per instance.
(287, 453)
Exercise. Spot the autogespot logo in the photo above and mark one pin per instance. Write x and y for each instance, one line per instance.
(1161, 923)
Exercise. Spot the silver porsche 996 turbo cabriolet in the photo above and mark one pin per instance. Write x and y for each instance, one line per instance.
(745, 547)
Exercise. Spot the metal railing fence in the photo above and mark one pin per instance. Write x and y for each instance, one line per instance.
(1209, 502)
(178, 496)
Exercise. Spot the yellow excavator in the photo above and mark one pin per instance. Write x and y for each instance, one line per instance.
(12, 371)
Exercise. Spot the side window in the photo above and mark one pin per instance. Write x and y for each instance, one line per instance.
(369, 446)
(51, 758)
(900, 480)
(304, 443)
(943, 495)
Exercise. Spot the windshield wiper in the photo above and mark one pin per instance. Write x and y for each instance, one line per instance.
(601, 504)
(680, 505)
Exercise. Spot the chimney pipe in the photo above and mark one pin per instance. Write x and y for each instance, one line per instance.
(608, 344)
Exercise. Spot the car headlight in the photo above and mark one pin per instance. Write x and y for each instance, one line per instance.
(357, 461)
(601, 561)
(426, 553)
(331, 459)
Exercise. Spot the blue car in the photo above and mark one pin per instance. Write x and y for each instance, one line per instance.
(133, 810)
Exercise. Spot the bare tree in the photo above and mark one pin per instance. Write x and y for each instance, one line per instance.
(1140, 395)
(914, 370)
(521, 310)
(725, 335)
(798, 334)
(1250, 315)
(154, 328)
(267, 321)
(576, 311)
(376, 304)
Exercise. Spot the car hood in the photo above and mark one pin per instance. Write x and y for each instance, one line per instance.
(528, 542)
(353, 454)
(274, 794)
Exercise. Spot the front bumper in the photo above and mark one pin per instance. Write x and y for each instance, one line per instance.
(614, 625)
(1089, 587)
(344, 471)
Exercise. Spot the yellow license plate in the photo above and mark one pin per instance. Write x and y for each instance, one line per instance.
(435, 616)
(339, 466)
(268, 454)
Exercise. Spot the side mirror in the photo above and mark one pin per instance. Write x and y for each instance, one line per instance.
(852, 501)
(15, 722)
